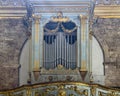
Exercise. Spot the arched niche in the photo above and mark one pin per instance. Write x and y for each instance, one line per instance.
(24, 62)
(97, 62)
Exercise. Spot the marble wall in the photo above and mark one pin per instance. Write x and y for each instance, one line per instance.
(107, 31)
(12, 37)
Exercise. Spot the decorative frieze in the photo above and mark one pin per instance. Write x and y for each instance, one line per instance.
(107, 9)
(12, 9)
(12, 3)
(107, 2)
(48, 9)
(63, 6)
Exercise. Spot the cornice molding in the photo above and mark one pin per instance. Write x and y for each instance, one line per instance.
(107, 2)
(67, 9)
(107, 11)
(12, 3)
(12, 9)
(53, 6)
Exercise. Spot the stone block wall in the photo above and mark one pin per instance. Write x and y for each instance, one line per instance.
(107, 32)
(12, 37)
(112, 75)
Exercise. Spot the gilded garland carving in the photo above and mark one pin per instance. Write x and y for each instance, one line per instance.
(63, 28)
(52, 31)
(93, 91)
(28, 92)
(68, 31)
(62, 89)
(20, 94)
(60, 19)
(111, 93)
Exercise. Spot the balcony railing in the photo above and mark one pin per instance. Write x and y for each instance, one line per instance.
(62, 89)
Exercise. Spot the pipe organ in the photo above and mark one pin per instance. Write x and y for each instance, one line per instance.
(60, 43)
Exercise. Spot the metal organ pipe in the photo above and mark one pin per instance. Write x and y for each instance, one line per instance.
(64, 51)
(68, 53)
(48, 51)
(70, 50)
(48, 48)
(55, 50)
(60, 48)
(43, 51)
(51, 55)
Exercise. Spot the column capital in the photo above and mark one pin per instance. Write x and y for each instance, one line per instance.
(83, 16)
(91, 34)
(36, 18)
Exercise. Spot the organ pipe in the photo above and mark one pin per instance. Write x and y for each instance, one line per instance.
(60, 48)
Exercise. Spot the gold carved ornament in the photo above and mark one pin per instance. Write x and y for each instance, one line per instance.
(62, 91)
(54, 30)
(82, 92)
(63, 28)
(112, 94)
(20, 94)
(67, 30)
(45, 92)
(93, 91)
(60, 18)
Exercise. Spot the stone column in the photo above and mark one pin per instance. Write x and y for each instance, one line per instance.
(78, 47)
(90, 51)
(83, 43)
(36, 46)
(84, 46)
(90, 56)
(90, 47)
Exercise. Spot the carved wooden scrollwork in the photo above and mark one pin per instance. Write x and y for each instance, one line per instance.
(62, 89)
